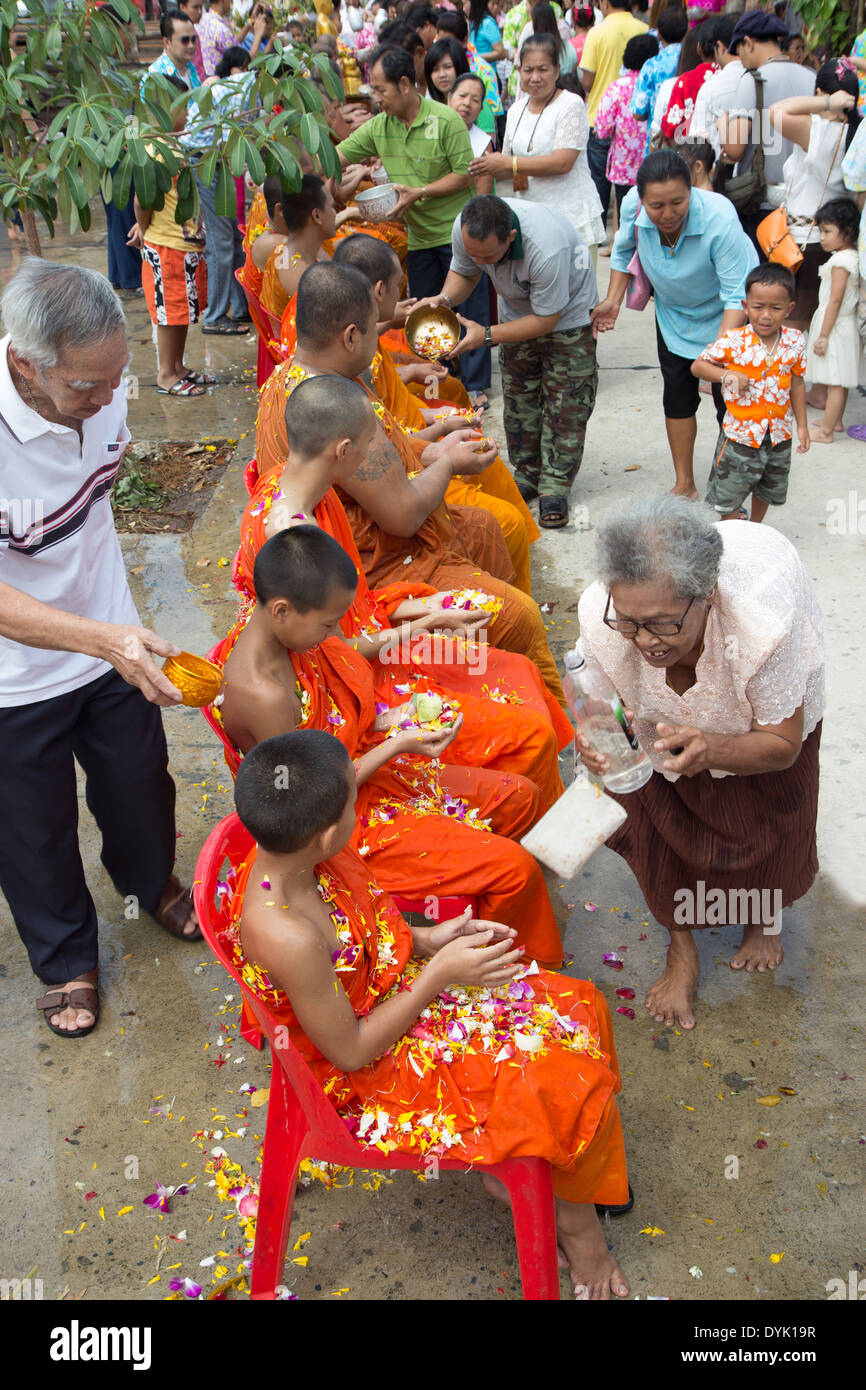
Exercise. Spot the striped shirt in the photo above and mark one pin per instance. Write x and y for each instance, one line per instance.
(436, 144)
(57, 538)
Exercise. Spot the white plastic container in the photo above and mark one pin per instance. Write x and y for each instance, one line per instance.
(574, 827)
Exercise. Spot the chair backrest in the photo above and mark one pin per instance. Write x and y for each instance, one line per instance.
(213, 896)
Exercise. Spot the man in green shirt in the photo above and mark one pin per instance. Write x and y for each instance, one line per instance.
(425, 149)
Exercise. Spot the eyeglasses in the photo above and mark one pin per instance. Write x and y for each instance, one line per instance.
(629, 628)
(182, 38)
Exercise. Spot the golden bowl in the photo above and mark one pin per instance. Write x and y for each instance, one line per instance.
(432, 332)
(197, 679)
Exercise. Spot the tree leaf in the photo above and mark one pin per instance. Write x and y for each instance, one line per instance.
(207, 168)
(309, 133)
(225, 196)
(53, 41)
(121, 182)
(254, 162)
(236, 152)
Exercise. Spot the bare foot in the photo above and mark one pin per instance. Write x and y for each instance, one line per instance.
(671, 997)
(70, 1019)
(816, 396)
(594, 1272)
(758, 950)
(819, 436)
(690, 492)
(605, 250)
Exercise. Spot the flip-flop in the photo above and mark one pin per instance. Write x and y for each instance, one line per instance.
(200, 378)
(552, 512)
(54, 1001)
(858, 432)
(185, 386)
(480, 401)
(173, 910)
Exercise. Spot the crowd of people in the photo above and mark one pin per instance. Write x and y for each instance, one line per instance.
(369, 758)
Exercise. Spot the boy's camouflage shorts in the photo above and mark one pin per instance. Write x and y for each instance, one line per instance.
(740, 470)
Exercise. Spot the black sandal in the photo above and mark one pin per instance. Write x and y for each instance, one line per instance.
(552, 512)
(528, 491)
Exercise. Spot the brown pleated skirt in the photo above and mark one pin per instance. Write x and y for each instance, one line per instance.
(742, 832)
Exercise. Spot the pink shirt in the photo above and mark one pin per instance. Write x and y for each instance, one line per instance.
(614, 121)
(214, 37)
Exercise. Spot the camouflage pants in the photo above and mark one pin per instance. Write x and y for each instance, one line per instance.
(549, 385)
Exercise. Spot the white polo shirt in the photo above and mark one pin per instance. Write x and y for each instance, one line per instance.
(57, 538)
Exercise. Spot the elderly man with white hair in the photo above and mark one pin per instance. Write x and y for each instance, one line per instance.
(78, 681)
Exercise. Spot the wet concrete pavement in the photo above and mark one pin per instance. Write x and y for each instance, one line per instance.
(92, 1126)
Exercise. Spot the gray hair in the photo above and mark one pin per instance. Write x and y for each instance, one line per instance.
(49, 309)
(663, 538)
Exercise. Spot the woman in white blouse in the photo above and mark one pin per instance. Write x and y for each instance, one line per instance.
(711, 634)
(544, 151)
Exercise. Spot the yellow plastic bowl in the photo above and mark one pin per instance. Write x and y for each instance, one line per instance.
(197, 679)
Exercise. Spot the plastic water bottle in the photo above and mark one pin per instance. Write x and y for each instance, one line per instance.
(600, 719)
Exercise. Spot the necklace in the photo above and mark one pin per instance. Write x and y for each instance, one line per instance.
(670, 244)
(770, 352)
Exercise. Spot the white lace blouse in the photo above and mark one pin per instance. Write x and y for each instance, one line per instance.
(563, 125)
(763, 651)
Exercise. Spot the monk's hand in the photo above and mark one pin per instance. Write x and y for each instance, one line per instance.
(455, 421)
(465, 925)
(467, 621)
(472, 338)
(427, 743)
(130, 650)
(470, 455)
(481, 958)
(691, 750)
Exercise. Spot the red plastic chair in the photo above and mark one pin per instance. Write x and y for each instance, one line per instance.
(302, 1123)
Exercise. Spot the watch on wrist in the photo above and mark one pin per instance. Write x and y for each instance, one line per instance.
(488, 336)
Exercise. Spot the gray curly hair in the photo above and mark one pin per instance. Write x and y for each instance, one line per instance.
(51, 309)
(663, 538)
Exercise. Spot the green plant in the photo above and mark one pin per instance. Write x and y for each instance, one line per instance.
(75, 122)
(834, 23)
(132, 490)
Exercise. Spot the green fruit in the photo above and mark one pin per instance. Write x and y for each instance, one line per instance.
(429, 707)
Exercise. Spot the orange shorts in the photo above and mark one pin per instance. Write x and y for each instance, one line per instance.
(174, 284)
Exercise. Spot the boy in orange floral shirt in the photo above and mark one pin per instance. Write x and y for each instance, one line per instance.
(761, 368)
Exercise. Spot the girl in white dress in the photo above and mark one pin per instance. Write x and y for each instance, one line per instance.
(834, 339)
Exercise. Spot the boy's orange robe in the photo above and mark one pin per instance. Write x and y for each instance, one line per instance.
(524, 1071)
(428, 828)
(257, 221)
(494, 489)
(511, 721)
(273, 296)
(450, 549)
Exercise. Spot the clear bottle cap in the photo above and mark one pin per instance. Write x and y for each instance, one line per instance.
(575, 658)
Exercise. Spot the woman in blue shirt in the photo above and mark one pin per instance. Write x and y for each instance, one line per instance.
(696, 256)
(483, 30)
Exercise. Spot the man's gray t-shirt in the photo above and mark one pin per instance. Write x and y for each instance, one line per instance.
(781, 79)
(548, 270)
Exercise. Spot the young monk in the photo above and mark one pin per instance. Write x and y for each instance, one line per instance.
(394, 502)
(512, 723)
(428, 828)
(310, 218)
(495, 488)
(397, 1023)
(258, 222)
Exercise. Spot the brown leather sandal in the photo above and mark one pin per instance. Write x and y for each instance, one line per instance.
(173, 910)
(56, 1000)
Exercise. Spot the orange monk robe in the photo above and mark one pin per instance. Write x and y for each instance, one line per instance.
(257, 222)
(448, 550)
(274, 298)
(428, 828)
(511, 722)
(494, 489)
(458, 1081)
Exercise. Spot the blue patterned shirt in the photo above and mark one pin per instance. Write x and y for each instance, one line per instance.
(651, 76)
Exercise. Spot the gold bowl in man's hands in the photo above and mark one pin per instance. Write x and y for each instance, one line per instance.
(432, 333)
(197, 679)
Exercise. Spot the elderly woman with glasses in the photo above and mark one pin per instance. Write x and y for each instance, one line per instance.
(711, 634)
